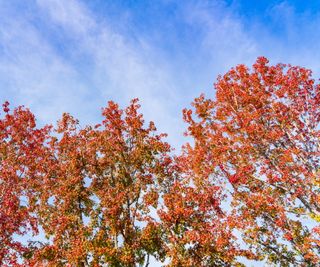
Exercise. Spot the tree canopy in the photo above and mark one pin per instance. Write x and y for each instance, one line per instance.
(247, 187)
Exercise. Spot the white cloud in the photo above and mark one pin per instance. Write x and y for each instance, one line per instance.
(70, 14)
(224, 38)
(33, 74)
(120, 69)
(61, 57)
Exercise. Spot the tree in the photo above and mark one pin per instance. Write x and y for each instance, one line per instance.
(21, 148)
(101, 184)
(258, 141)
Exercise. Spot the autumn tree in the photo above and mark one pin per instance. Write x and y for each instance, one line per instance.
(100, 191)
(258, 141)
(21, 149)
(64, 202)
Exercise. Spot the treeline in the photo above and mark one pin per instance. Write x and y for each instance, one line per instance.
(114, 194)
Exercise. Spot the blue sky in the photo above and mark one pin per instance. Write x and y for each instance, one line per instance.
(74, 55)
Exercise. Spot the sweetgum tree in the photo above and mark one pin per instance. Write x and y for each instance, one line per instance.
(258, 141)
(130, 169)
(100, 191)
(21, 149)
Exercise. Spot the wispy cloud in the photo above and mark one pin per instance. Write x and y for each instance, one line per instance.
(101, 64)
(58, 56)
(33, 74)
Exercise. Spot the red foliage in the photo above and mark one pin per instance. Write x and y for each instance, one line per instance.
(113, 194)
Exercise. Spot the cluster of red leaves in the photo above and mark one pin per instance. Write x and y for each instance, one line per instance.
(113, 194)
(20, 152)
